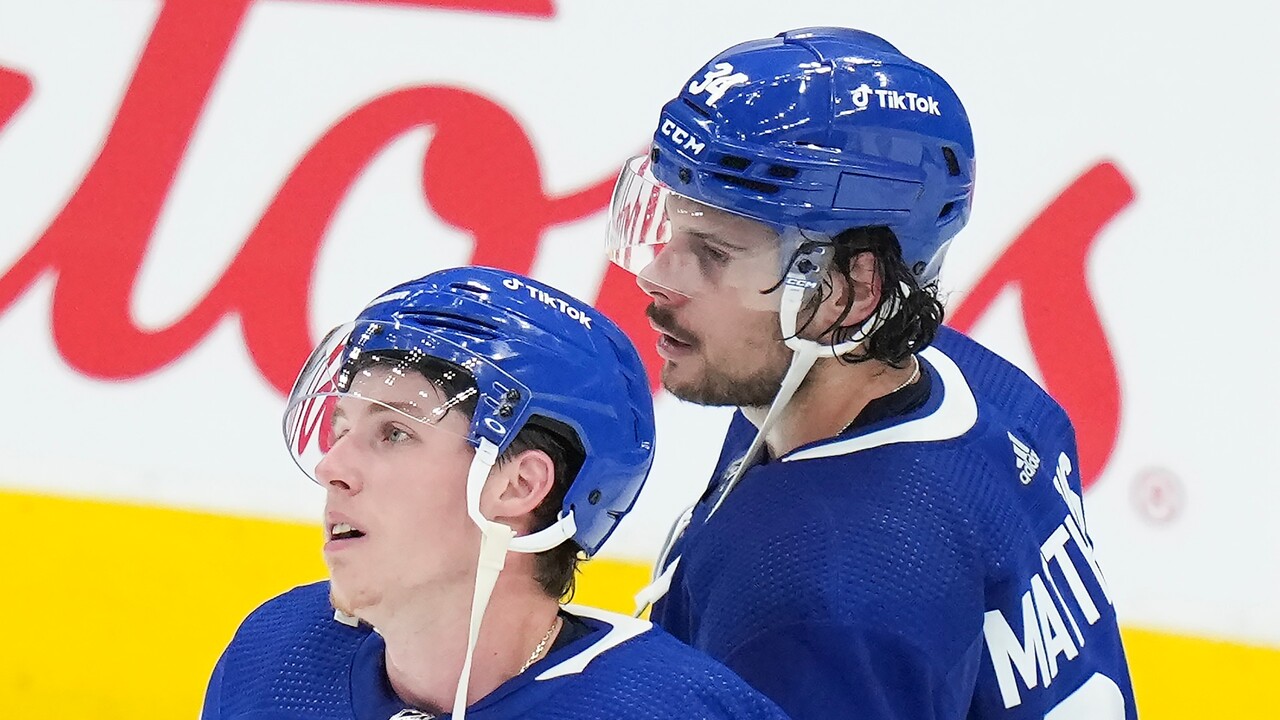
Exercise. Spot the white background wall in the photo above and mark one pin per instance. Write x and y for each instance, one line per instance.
(1180, 97)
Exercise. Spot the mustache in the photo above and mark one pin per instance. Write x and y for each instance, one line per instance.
(664, 318)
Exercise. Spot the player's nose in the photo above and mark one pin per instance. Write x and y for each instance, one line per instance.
(338, 472)
(656, 282)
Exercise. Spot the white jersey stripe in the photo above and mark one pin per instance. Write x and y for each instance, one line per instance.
(622, 628)
(953, 418)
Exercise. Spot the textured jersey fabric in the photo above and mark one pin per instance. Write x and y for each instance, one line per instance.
(291, 659)
(934, 564)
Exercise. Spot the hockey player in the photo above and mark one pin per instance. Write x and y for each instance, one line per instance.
(470, 413)
(894, 528)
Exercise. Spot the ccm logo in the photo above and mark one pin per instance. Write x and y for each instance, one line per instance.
(682, 137)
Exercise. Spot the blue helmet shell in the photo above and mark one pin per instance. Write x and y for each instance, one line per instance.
(534, 352)
(824, 129)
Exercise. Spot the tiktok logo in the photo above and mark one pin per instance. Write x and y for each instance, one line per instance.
(98, 241)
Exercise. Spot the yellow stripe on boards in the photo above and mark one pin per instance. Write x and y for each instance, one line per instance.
(1186, 677)
(121, 611)
(118, 612)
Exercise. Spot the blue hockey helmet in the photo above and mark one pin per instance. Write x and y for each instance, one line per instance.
(817, 130)
(532, 354)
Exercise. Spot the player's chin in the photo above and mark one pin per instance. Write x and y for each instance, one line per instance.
(677, 390)
(348, 592)
(681, 377)
(689, 382)
(338, 603)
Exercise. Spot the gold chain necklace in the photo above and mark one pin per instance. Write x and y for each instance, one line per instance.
(412, 714)
(542, 645)
(915, 375)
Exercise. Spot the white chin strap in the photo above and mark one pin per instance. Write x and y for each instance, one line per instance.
(496, 539)
(804, 353)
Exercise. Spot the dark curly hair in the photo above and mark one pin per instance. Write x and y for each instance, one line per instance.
(919, 313)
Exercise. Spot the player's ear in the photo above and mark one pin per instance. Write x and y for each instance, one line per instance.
(858, 292)
(516, 486)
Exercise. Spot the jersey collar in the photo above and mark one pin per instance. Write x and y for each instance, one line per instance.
(950, 412)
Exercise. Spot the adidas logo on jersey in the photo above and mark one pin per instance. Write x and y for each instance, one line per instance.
(1052, 633)
(1025, 458)
(408, 714)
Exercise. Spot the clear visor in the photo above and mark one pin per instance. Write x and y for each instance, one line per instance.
(378, 386)
(693, 249)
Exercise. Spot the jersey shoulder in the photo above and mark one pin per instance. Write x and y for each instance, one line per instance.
(897, 524)
(1004, 393)
(291, 653)
(643, 672)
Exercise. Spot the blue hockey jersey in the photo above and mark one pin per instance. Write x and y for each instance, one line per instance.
(291, 659)
(932, 564)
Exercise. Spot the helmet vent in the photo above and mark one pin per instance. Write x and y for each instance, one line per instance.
(810, 145)
(694, 106)
(460, 323)
(763, 188)
(473, 288)
(946, 210)
(733, 162)
(953, 165)
(783, 172)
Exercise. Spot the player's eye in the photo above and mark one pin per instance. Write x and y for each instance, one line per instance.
(395, 434)
(708, 254)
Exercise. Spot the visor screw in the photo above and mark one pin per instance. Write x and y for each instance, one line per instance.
(805, 266)
(653, 155)
(505, 411)
(511, 396)
(918, 267)
(594, 497)
(685, 175)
